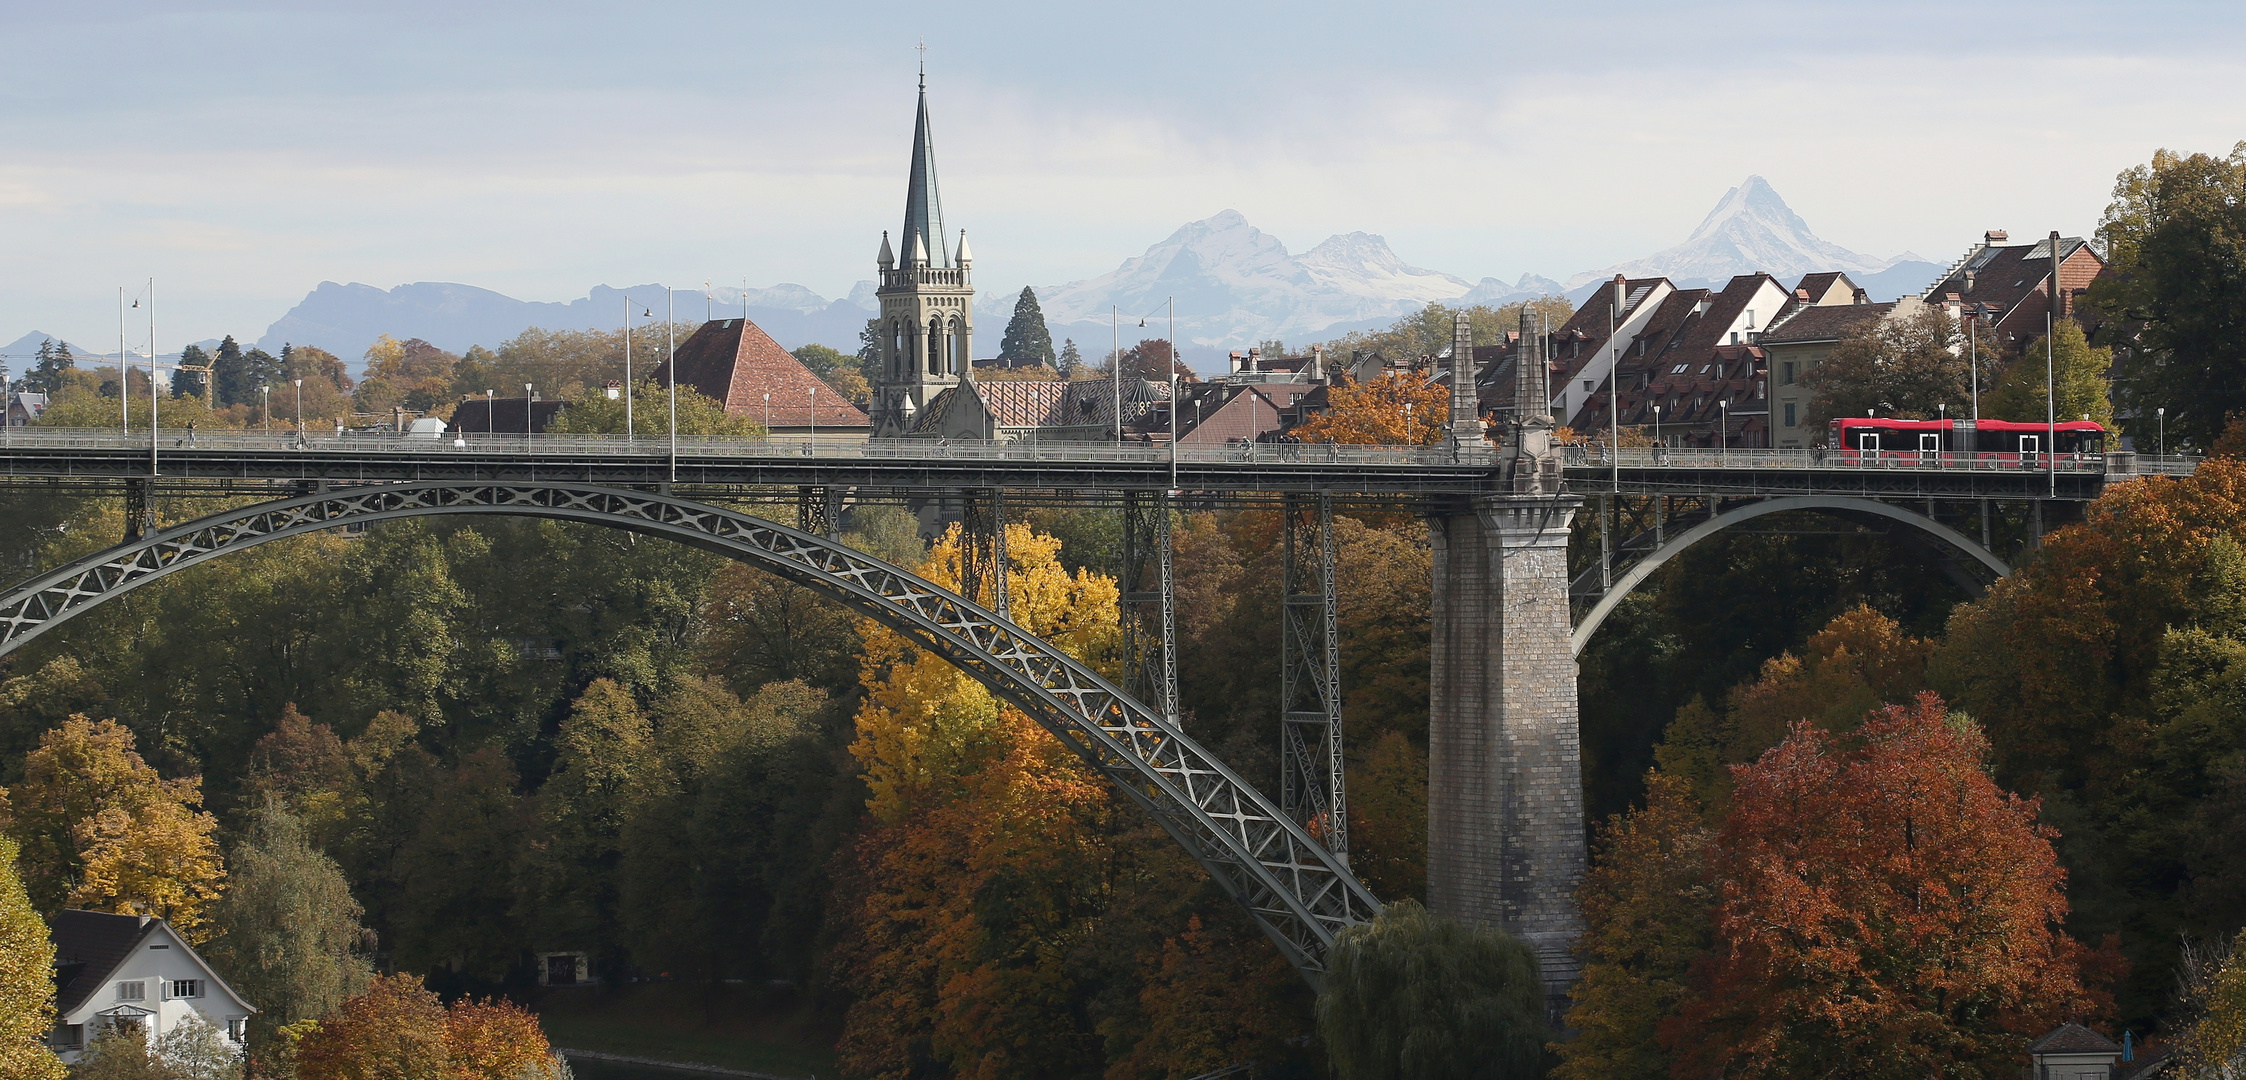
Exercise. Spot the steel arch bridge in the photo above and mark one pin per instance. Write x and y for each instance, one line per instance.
(1297, 891)
(1599, 589)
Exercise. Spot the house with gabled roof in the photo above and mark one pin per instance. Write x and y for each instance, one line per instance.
(2009, 288)
(133, 971)
(1034, 410)
(1802, 339)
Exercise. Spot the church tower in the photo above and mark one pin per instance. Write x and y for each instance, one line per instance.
(927, 326)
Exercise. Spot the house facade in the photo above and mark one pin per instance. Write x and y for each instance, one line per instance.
(133, 971)
(1800, 341)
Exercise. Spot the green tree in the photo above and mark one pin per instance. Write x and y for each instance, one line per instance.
(593, 413)
(1901, 367)
(1071, 358)
(288, 933)
(2175, 240)
(1412, 994)
(192, 384)
(838, 370)
(195, 1049)
(2081, 370)
(50, 360)
(1427, 332)
(605, 769)
(232, 382)
(1027, 341)
(27, 987)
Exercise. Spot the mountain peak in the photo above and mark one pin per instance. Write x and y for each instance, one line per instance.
(1750, 229)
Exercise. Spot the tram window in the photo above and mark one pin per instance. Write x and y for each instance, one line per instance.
(2029, 444)
(1868, 440)
(1929, 443)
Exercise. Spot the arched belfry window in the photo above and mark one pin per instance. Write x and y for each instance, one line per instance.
(936, 345)
(958, 340)
(900, 356)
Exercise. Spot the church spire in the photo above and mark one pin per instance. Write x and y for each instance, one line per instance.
(924, 207)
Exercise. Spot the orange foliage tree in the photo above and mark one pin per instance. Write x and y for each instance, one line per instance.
(1374, 412)
(398, 1030)
(1887, 911)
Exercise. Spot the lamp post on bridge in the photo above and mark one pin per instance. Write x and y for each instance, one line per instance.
(1658, 444)
(2161, 414)
(1723, 429)
(265, 406)
(299, 408)
(526, 416)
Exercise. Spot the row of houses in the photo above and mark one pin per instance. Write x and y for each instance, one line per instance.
(1728, 366)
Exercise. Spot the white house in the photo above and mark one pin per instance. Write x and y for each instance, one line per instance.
(133, 970)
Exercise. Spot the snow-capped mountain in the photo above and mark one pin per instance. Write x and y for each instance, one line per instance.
(1750, 229)
(1236, 285)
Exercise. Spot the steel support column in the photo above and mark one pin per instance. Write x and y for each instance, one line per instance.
(982, 549)
(818, 511)
(137, 515)
(1149, 600)
(1310, 766)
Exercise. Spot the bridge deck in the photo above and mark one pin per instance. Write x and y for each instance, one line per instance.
(46, 455)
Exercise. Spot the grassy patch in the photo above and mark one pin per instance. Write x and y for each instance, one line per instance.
(737, 1027)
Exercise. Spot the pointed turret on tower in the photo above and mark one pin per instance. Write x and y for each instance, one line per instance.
(926, 329)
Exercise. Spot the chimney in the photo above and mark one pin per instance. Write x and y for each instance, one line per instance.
(1993, 237)
(1234, 368)
(1317, 363)
(1863, 297)
(1802, 295)
(1969, 275)
(1621, 292)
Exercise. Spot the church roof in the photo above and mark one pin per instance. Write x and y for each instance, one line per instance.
(924, 206)
(736, 362)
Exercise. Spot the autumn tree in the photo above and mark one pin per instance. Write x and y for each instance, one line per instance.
(394, 1031)
(1392, 409)
(591, 412)
(287, 933)
(27, 986)
(1026, 340)
(1886, 911)
(496, 1040)
(1388, 817)
(1413, 994)
(1648, 904)
(986, 850)
(838, 370)
(1902, 366)
(2175, 240)
(101, 830)
(1207, 1003)
(1150, 360)
(2081, 370)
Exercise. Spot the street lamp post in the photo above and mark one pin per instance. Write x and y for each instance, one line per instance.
(814, 416)
(491, 411)
(1657, 428)
(299, 408)
(526, 415)
(768, 416)
(2161, 414)
(1723, 428)
(265, 406)
(670, 364)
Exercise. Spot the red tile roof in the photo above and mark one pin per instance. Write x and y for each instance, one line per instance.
(736, 362)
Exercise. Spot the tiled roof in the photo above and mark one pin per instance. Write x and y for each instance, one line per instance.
(2073, 1039)
(88, 946)
(736, 362)
(1823, 323)
(1819, 284)
(1585, 332)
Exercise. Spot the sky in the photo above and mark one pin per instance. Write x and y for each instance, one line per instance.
(241, 153)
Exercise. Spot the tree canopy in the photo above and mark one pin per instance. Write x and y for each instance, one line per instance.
(2175, 241)
(2081, 374)
(27, 981)
(1903, 367)
(1413, 994)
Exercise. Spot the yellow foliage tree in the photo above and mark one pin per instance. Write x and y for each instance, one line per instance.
(1396, 409)
(27, 987)
(102, 830)
(975, 807)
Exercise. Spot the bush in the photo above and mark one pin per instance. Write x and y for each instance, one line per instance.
(1412, 994)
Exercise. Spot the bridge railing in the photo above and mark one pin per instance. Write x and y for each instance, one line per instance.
(824, 445)
(1656, 457)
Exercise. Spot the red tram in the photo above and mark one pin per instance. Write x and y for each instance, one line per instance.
(1996, 441)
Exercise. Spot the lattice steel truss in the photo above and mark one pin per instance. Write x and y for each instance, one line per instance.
(818, 511)
(1311, 789)
(1297, 891)
(982, 549)
(1150, 618)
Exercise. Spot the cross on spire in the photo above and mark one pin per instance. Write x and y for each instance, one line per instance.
(922, 47)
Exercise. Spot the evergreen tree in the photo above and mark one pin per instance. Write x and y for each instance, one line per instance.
(230, 376)
(52, 359)
(1071, 357)
(1027, 341)
(190, 383)
(27, 988)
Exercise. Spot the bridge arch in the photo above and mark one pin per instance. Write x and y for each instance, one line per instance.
(1297, 891)
(1644, 568)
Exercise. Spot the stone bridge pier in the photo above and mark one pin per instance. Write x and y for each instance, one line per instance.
(1505, 835)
